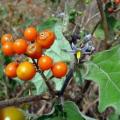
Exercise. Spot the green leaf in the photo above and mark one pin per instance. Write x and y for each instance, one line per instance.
(104, 69)
(114, 117)
(87, 1)
(70, 111)
(78, 75)
(7, 59)
(58, 1)
(113, 26)
(99, 33)
(1, 64)
(111, 22)
(117, 26)
(48, 24)
(58, 83)
(3, 12)
(59, 114)
(27, 23)
(56, 51)
(39, 83)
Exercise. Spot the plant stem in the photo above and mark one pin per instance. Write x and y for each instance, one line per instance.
(90, 19)
(6, 90)
(51, 91)
(104, 22)
(67, 80)
(94, 29)
(117, 10)
(18, 101)
(90, 105)
(25, 86)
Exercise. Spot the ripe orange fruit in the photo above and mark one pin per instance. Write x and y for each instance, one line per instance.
(6, 38)
(45, 62)
(11, 113)
(7, 49)
(10, 69)
(34, 50)
(26, 71)
(20, 46)
(30, 33)
(46, 38)
(59, 69)
(117, 2)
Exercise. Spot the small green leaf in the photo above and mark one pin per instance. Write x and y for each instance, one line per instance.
(58, 83)
(3, 12)
(117, 26)
(1, 64)
(71, 107)
(78, 75)
(99, 33)
(39, 84)
(65, 114)
(27, 23)
(113, 26)
(48, 24)
(70, 111)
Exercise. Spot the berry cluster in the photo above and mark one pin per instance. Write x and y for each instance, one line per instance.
(33, 45)
(113, 4)
(116, 1)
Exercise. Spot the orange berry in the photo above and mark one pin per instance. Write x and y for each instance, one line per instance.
(26, 71)
(34, 51)
(117, 2)
(7, 48)
(59, 69)
(46, 38)
(6, 38)
(30, 33)
(45, 62)
(20, 46)
(10, 69)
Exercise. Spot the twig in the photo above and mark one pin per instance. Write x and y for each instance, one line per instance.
(41, 110)
(99, 46)
(52, 92)
(51, 77)
(90, 19)
(104, 22)
(90, 105)
(94, 29)
(18, 101)
(6, 86)
(117, 10)
(25, 86)
(86, 87)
